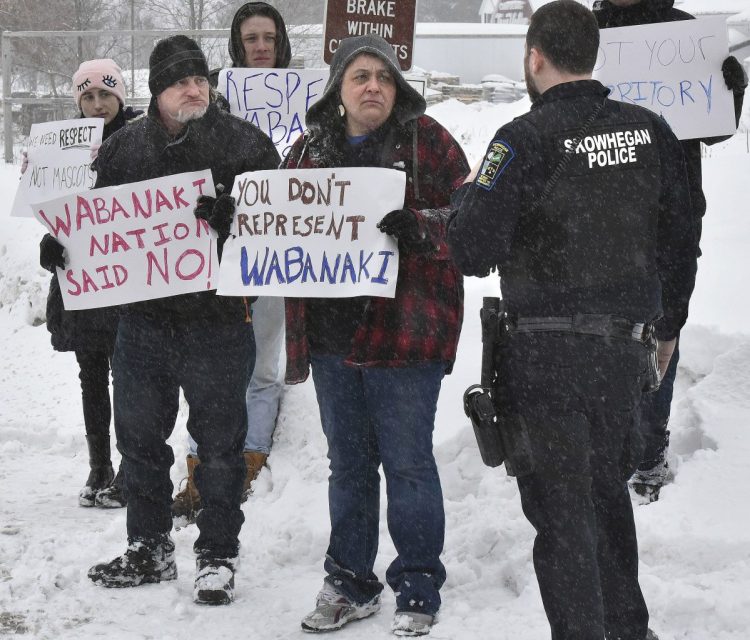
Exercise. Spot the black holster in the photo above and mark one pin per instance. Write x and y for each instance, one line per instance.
(501, 434)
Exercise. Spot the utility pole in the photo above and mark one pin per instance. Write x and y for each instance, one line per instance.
(132, 49)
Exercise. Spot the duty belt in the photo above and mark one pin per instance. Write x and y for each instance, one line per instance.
(584, 324)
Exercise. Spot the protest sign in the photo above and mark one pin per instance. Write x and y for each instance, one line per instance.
(393, 20)
(313, 233)
(673, 69)
(133, 242)
(59, 162)
(274, 100)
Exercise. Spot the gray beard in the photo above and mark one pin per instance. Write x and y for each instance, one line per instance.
(185, 116)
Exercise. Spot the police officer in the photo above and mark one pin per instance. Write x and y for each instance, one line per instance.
(583, 206)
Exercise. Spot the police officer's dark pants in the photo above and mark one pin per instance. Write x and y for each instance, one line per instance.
(655, 411)
(580, 397)
(212, 363)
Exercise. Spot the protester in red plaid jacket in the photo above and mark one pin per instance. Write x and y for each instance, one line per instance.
(378, 363)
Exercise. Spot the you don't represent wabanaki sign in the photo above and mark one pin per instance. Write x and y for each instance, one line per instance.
(312, 233)
(133, 242)
(673, 69)
(59, 161)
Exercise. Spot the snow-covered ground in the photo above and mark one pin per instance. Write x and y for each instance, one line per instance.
(695, 542)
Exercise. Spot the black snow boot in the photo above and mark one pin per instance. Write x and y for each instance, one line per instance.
(144, 561)
(101, 474)
(652, 474)
(214, 580)
(113, 497)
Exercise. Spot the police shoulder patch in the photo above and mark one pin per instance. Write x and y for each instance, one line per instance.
(498, 157)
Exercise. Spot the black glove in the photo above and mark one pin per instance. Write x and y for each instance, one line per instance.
(218, 212)
(734, 74)
(403, 225)
(51, 253)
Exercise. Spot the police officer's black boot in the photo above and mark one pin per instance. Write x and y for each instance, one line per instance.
(101, 474)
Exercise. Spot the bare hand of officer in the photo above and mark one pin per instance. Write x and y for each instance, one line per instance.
(51, 254)
(664, 351)
(734, 74)
(404, 225)
(218, 212)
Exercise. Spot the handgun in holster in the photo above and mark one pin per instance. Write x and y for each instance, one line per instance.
(500, 432)
(478, 403)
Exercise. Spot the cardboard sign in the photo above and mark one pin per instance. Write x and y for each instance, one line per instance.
(133, 242)
(59, 162)
(312, 233)
(274, 100)
(393, 20)
(673, 69)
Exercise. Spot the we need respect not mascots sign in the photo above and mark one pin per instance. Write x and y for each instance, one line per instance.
(59, 156)
(133, 242)
(312, 233)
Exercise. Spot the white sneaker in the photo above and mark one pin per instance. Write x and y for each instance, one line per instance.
(333, 610)
(411, 623)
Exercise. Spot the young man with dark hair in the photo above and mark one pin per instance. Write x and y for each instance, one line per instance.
(582, 243)
(655, 409)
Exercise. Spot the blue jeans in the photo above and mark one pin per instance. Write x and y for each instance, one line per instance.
(655, 410)
(375, 415)
(265, 388)
(212, 363)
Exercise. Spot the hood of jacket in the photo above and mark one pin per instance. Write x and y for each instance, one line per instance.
(645, 12)
(248, 10)
(409, 102)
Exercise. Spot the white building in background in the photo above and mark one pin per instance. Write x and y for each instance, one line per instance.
(512, 11)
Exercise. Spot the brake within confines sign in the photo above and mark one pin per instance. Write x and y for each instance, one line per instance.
(391, 19)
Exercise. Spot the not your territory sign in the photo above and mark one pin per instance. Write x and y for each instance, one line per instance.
(312, 233)
(133, 242)
(59, 161)
(274, 100)
(673, 69)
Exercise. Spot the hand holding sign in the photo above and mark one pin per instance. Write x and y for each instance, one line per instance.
(51, 254)
(403, 225)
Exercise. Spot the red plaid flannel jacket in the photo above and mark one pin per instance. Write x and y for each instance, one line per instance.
(423, 322)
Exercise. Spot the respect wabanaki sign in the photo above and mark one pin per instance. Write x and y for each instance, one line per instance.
(133, 242)
(393, 20)
(312, 233)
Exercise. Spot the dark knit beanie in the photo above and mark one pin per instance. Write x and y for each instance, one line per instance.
(173, 59)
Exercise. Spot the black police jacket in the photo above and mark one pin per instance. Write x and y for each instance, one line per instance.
(650, 12)
(218, 141)
(615, 234)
